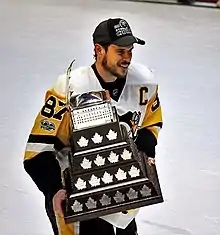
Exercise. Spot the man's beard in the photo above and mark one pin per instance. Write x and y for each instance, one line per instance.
(112, 69)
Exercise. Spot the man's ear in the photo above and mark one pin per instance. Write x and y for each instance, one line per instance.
(99, 50)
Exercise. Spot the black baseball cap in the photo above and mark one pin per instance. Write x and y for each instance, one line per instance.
(115, 31)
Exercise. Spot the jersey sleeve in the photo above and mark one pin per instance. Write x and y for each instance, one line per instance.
(153, 114)
(49, 134)
(152, 123)
(51, 128)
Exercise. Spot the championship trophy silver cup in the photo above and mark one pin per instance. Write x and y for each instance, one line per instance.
(106, 173)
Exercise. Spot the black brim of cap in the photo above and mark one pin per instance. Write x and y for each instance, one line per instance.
(128, 41)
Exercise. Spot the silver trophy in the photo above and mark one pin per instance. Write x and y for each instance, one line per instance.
(106, 174)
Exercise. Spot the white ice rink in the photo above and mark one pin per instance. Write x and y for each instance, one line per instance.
(38, 39)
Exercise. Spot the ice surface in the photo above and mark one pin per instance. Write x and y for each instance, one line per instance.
(38, 41)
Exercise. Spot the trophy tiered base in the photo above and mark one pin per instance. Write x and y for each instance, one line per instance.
(107, 179)
(111, 200)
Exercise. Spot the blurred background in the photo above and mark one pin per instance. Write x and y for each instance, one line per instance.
(38, 40)
(199, 3)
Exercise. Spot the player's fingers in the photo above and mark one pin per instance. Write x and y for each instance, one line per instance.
(57, 202)
(151, 161)
(58, 208)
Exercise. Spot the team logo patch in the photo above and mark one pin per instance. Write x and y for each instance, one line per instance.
(46, 125)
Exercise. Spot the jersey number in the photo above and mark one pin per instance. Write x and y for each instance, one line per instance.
(48, 109)
(156, 104)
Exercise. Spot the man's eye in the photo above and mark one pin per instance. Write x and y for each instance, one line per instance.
(120, 52)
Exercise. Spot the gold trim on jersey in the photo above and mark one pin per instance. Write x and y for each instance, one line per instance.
(153, 115)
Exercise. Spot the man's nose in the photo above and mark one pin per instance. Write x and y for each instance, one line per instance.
(127, 57)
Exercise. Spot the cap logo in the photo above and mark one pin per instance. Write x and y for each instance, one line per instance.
(122, 28)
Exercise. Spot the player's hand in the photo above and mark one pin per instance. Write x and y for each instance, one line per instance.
(57, 201)
(151, 161)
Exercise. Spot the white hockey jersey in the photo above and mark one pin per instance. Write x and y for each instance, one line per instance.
(139, 94)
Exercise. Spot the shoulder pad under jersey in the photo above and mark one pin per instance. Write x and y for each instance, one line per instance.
(140, 74)
(77, 76)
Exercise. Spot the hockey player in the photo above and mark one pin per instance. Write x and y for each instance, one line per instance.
(132, 89)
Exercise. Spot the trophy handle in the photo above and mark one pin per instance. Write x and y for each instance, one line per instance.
(67, 80)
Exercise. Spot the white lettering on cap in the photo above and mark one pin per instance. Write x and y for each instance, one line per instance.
(122, 28)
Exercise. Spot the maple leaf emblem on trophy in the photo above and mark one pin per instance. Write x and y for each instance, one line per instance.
(80, 184)
(94, 181)
(77, 206)
(99, 161)
(132, 194)
(126, 155)
(121, 175)
(145, 191)
(112, 135)
(91, 203)
(105, 200)
(134, 172)
(83, 142)
(107, 178)
(119, 197)
(86, 164)
(113, 157)
(97, 139)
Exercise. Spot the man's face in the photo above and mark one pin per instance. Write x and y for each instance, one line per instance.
(117, 59)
